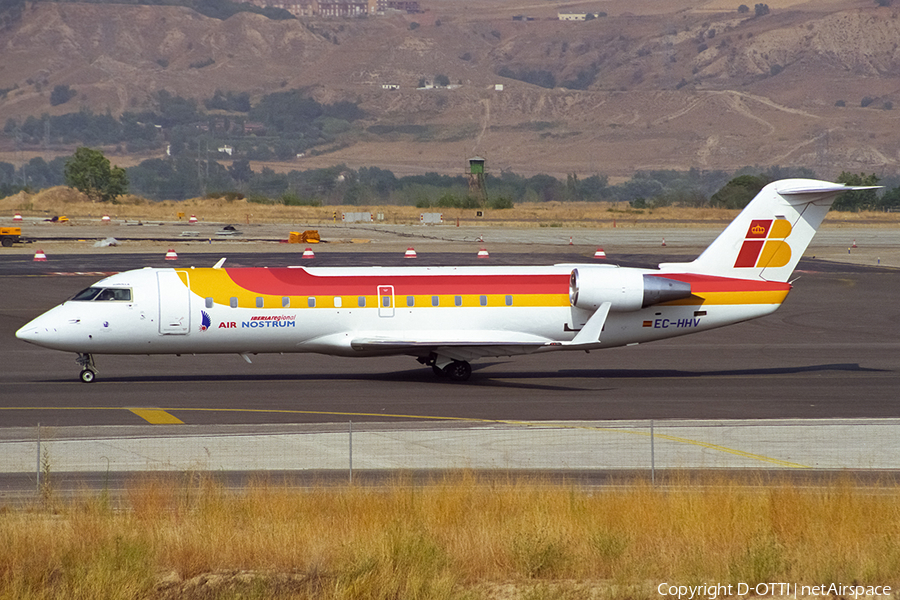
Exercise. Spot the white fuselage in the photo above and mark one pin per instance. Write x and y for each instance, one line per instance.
(412, 310)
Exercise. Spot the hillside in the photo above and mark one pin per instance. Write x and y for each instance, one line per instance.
(667, 84)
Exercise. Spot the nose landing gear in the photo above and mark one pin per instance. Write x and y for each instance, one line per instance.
(88, 369)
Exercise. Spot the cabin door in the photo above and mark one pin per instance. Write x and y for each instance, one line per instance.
(385, 301)
(174, 303)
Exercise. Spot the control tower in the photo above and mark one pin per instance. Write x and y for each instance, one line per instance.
(476, 179)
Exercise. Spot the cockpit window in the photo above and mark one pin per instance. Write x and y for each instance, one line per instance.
(88, 294)
(121, 294)
(97, 294)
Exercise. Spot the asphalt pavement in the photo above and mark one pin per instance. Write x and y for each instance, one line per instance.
(832, 350)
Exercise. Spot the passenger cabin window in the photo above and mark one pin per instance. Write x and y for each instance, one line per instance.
(435, 300)
(337, 302)
(311, 302)
(508, 300)
(233, 302)
(386, 301)
(457, 300)
(98, 294)
(209, 303)
(259, 302)
(483, 300)
(410, 300)
(361, 301)
(285, 301)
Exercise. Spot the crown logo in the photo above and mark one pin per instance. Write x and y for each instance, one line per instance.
(758, 230)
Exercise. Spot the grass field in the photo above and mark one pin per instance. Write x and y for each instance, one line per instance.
(64, 201)
(460, 538)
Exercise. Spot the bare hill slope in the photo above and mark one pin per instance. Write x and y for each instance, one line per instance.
(664, 84)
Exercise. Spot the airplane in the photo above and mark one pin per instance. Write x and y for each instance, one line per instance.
(444, 317)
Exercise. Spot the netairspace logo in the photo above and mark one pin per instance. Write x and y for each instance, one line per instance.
(711, 591)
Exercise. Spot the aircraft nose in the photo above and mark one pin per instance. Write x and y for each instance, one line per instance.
(37, 334)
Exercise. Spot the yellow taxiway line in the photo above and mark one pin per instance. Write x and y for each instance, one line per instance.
(156, 416)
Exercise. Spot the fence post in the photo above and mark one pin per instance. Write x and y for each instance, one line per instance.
(38, 464)
(351, 452)
(652, 457)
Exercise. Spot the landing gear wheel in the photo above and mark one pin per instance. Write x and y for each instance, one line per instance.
(88, 369)
(438, 371)
(458, 370)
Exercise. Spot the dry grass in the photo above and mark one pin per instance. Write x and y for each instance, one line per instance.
(465, 537)
(65, 201)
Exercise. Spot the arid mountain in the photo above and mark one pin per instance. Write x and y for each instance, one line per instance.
(661, 83)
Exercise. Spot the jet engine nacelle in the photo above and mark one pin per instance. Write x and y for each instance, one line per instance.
(625, 289)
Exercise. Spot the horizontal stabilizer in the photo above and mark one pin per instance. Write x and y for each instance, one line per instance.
(824, 187)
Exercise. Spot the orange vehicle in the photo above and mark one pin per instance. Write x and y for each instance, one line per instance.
(10, 235)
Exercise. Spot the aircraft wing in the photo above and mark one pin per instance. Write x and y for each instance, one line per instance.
(475, 344)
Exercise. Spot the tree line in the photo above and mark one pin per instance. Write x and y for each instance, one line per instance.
(215, 9)
(182, 177)
(278, 126)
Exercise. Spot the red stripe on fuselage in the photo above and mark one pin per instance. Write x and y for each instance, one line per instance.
(298, 282)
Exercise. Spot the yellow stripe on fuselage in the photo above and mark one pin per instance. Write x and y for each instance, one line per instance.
(725, 298)
(399, 301)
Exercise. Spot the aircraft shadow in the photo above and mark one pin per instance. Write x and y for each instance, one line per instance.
(495, 379)
(413, 376)
(670, 373)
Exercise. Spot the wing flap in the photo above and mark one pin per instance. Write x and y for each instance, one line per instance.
(453, 345)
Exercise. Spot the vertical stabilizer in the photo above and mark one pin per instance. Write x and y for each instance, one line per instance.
(770, 235)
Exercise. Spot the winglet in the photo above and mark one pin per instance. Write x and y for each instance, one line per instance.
(219, 264)
(590, 331)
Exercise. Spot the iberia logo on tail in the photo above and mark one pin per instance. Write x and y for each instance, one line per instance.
(765, 244)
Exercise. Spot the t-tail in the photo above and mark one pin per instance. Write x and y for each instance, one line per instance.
(767, 239)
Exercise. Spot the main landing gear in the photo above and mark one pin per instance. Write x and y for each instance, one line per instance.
(456, 370)
(88, 369)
